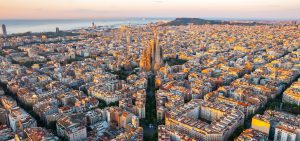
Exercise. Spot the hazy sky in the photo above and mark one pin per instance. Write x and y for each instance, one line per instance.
(53, 9)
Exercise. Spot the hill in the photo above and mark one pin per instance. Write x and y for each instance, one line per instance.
(197, 21)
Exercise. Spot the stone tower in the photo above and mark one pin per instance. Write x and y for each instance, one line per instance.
(151, 58)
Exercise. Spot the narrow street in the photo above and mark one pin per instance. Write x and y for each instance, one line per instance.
(29, 110)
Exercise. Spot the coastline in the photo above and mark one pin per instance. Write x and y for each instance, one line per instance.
(39, 26)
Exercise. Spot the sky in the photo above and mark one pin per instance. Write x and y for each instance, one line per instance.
(87, 9)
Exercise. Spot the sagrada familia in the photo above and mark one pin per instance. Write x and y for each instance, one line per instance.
(151, 58)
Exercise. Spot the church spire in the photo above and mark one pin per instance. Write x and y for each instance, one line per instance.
(154, 54)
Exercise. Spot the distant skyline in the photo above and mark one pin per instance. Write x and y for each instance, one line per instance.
(92, 9)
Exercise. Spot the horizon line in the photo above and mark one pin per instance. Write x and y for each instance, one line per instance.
(209, 18)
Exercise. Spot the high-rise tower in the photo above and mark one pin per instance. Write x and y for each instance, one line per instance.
(158, 52)
(57, 30)
(4, 32)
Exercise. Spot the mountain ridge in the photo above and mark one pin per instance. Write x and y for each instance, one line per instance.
(198, 21)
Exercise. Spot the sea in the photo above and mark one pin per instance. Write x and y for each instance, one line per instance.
(21, 26)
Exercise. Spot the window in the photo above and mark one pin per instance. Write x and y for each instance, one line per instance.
(289, 137)
(278, 135)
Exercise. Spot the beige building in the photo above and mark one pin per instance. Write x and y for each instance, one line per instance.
(72, 127)
(190, 119)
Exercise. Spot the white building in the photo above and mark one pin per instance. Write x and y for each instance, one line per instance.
(20, 120)
(284, 132)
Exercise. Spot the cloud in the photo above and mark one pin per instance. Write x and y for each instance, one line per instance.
(297, 9)
(158, 1)
(39, 9)
(274, 6)
(74, 11)
(87, 11)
